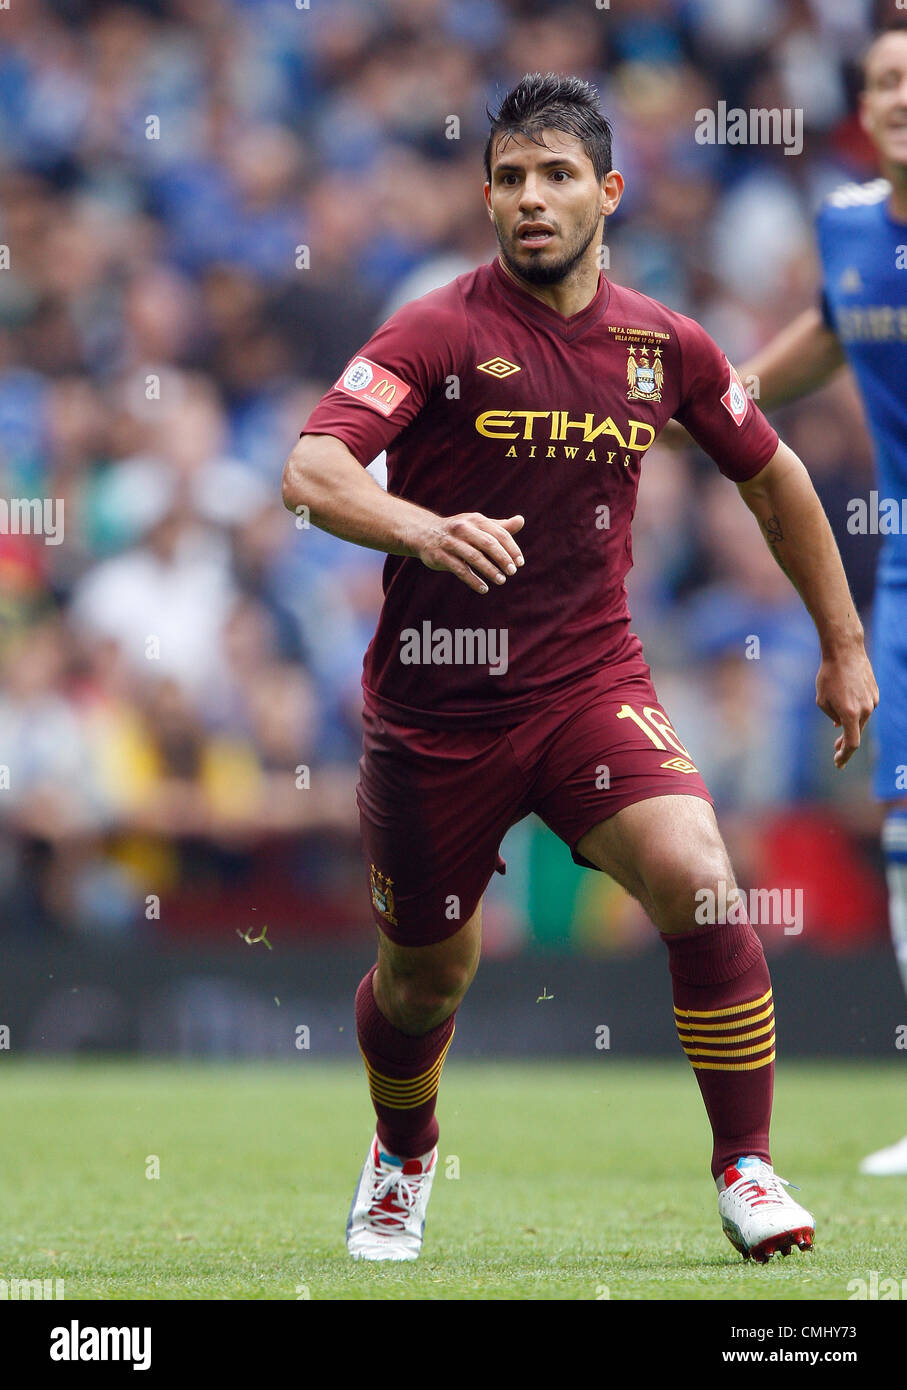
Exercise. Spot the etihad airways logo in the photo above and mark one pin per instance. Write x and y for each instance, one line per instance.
(547, 429)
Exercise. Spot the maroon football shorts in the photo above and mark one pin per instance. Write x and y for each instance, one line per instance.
(435, 804)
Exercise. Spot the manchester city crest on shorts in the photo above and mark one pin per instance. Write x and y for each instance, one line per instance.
(383, 894)
(645, 373)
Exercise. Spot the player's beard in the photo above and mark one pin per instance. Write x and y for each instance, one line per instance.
(539, 272)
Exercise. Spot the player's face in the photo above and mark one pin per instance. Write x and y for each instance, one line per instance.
(883, 102)
(546, 204)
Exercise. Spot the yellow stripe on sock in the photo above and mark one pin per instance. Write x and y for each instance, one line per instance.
(721, 1027)
(409, 1080)
(732, 1066)
(724, 1013)
(731, 1038)
(409, 1092)
(395, 1103)
(406, 1087)
(407, 1084)
(734, 1052)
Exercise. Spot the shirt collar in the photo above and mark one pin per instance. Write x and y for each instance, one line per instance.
(567, 327)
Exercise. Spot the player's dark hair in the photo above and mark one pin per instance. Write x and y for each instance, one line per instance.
(893, 26)
(553, 102)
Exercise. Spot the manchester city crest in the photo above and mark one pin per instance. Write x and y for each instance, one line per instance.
(383, 894)
(645, 374)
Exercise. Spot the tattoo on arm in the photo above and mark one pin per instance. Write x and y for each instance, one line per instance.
(774, 534)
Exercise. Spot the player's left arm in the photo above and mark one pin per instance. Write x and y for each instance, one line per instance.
(793, 521)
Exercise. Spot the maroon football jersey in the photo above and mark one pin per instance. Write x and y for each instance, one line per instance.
(489, 401)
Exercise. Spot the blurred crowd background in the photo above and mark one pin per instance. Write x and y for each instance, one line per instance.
(179, 678)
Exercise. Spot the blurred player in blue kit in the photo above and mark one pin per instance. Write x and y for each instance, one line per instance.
(861, 319)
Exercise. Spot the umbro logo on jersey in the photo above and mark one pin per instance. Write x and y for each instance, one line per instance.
(850, 280)
(372, 384)
(499, 367)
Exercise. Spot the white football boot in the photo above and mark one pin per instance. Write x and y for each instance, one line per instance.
(887, 1163)
(758, 1216)
(387, 1217)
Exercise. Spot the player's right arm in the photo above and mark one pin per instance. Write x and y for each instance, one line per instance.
(801, 358)
(403, 369)
(323, 476)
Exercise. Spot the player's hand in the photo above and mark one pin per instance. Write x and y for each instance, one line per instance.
(475, 548)
(846, 691)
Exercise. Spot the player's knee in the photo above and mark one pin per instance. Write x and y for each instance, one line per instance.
(418, 988)
(421, 1001)
(691, 894)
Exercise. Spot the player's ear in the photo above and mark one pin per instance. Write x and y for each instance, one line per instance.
(486, 188)
(612, 191)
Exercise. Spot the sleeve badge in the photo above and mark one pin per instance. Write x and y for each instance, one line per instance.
(372, 384)
(735, 399)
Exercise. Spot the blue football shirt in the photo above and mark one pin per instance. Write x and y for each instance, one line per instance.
(864, 301)
(864, 297)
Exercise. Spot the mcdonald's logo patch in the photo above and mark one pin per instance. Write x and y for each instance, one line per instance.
(375, 385)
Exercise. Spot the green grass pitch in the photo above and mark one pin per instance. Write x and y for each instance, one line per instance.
(576, 1181)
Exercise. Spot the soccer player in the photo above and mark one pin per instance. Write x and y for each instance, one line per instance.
(862, 319)
(516, 405)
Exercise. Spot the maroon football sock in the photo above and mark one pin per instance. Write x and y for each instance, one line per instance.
(403, 1075)
(725, 1022)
